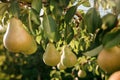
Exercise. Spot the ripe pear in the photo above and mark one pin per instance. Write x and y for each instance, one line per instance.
(68, 58)
(31, 50)
(115, 76)
(17, 39)
(108, 59)
(51, 57)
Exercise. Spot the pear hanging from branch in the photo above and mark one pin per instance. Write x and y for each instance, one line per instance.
(17, 39)
(68, 58)
(51, 57)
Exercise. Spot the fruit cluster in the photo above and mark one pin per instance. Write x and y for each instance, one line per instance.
(52, 57)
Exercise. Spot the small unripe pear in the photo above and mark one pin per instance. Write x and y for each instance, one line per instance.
(68, 58)
(82, 74)
(51, 57)
(17, 39)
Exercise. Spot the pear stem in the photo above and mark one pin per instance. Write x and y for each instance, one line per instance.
(30, 24)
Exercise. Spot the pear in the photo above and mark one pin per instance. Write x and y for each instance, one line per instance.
(68, 58)
(17, 39)
(60, 66)
(32, 49)
(82, 74)
(51, 57)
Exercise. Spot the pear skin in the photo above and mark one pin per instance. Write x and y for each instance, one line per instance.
(51, 57)
(32, 49)
(115, 75)
(108, 56)
(82, 74)
(60, 66)
(17, 39)
(68, 58)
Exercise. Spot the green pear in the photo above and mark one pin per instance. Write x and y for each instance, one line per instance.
(68, 58)
(17, 39)
(82, 74)
(51, 57)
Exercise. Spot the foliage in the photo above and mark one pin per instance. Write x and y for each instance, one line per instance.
(60, 22)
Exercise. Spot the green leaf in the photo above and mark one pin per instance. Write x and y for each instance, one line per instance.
(57, 11)
(3, 8)
(37, 5)
(92, 20)
(64, 3)
(70, 13)
(35, 17)
(97, 70)
(86, 4)
(14, 8)
(111, 39)
(50, 27)
(94, 51)
(69, 34)
(81, 25)
(110, 20)
(104, 4)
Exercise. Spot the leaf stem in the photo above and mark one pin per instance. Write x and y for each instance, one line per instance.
(30, 24)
